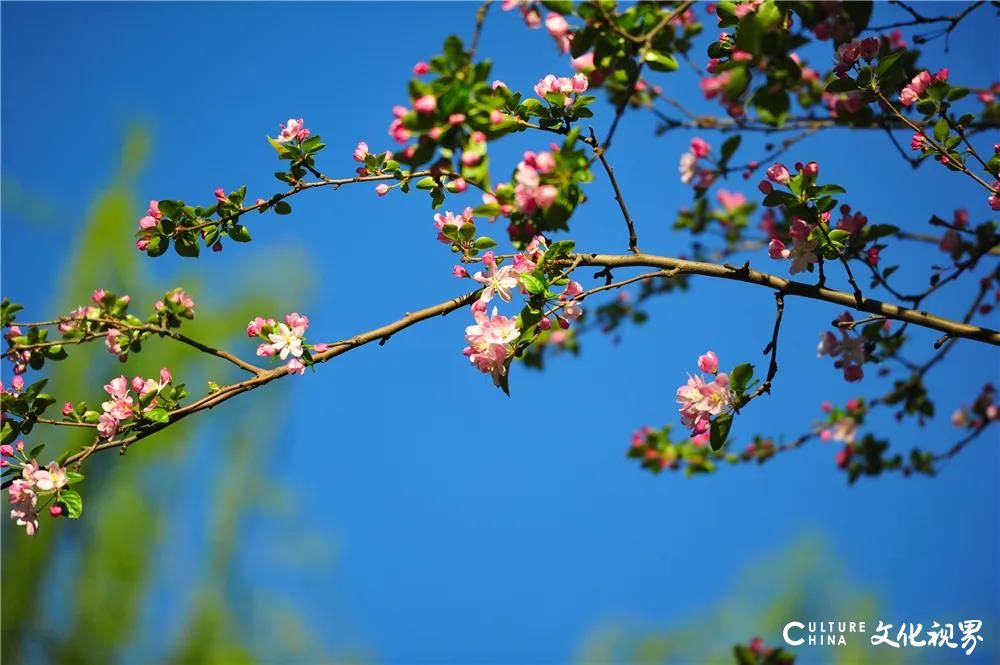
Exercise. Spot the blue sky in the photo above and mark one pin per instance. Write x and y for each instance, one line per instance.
(470, 527)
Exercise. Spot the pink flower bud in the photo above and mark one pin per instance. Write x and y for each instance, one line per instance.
(382, 189)
(545, 323)
(165, 376)
(826, 406)
(499, 84)
(7, 450)
(765, 187)
(456, 119)
(811, 170)
(459, 271)
(98, 295)
(217, 246)
(67, 408)
(779, 174)
(425, 104)
(220, 195)
(20, 446)
(496, 117)
(55, 510)
(708, 363)
(421, 68)
(460, 185)
(360, 152)
(700, 147)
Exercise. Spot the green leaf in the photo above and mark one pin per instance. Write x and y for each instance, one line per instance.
(777, 198)
(485, 242)
(240, 233)
(187, 245)
(941, 130)
(281, 208)
(532, 284)
(730, 146)
(466, 231)
(720, 430)
(426, 183)
(73, 503)
(73, 477)
(157, 415)
(884, 64)
(846, 84)
(661, 62)
(740, 377)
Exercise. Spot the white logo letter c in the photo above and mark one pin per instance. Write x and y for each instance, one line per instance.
(788, 640)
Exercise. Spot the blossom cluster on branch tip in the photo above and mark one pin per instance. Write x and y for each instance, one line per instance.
(493, 339)
(982, 411)
(561, 89)
(139, 399)
(915, 89)
(48, 485)
(703, 400)
(849, 349)
(689, 165)
(286, 340)
(293, 130)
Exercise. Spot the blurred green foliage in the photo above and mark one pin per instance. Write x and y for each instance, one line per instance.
(113, 587)
(804, 580)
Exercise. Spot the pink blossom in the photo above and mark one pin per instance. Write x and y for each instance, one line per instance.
(293, 130)
(779, 174)
(699, 147)
(296, 321)
(360, 152)
(449, 218)
(459, 271)
(500, 282)
(488, 341)
(117, 387)
(556, 25)
(425, 104)
(421, 68)
(295, 366)
(730, 200)
(107, 425)
(843, 456)
(708, 363)
(584, 64)
(687, 167)
(286, 340)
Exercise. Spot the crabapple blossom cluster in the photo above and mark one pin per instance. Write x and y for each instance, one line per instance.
(136, 399)
(489, 341)
(689, 169)
(293, 130)
(286, 340)
(529, 192)
(915, 89)
(849, 350)
(561, 89)
(983, 410)
(802, 252)
(703, 400)
(48, 485)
